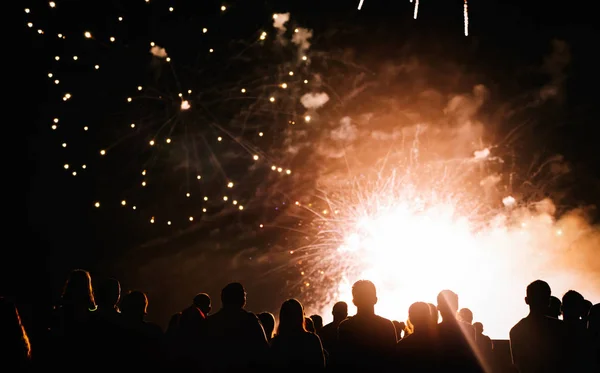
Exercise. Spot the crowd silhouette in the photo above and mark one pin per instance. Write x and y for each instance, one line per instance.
(94, 328)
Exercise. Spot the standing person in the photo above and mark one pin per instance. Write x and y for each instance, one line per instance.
(366, 340)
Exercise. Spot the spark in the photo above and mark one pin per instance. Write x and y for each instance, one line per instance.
(466, 16)
(360, 4)
(416, 12)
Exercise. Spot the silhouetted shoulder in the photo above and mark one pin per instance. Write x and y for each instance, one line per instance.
(347, 323)
(515, 330)
(251, 315)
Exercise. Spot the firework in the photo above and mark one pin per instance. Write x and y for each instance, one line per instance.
(174, 128)
(422, 222)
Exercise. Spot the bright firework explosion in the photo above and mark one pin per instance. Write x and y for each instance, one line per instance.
(415, 230)
(419, 208)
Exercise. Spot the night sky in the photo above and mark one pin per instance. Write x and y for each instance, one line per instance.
(65, 231)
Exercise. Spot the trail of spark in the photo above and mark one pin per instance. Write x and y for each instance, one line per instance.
(466, 16)
(360, 4)
(416, 9)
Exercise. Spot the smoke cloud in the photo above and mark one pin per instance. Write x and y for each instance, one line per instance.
(158, 52)
(313, 101)
(279, 21)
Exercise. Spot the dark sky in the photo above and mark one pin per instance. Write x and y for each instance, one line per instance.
(61, 231)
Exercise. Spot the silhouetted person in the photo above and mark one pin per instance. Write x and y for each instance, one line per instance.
(187, 334)
(554, 309)
(456, 338)
(237, 339)
(573, 305)
(72, 337)
(366, 340)
(267, 321)
(465, 315)
(416, 352)
(537, 342)
(15, 352)
(192, 320)
(400, 328)
(574, 311)
(107, 295)
(108, 324)
(144, 340)
(318, 323)
(329, 333)
(308, 324)
(485, 346)
(294, 348)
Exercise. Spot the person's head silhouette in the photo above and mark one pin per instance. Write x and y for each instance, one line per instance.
(107, 293)
(465, 315)
(291, 318)
(202, 301)
(309, 325)
(317, 322)
(233, 296)
(78, 290)
(419, 316)
(364, 296)
(572, 305)
(554, 309)
(134, 305)
(538, 297)
(447, 304)
(268, 322)
(478, 327)
(339, 311)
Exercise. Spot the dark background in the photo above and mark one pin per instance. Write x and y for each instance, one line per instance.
(61, 232)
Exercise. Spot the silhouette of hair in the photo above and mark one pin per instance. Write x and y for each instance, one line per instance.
(268, 322)
(78, 290)
(419, 315)
(478, 327)
(465, 315)
(108, 292)
(447, 304)
(572, 304)
(202, 301)
(13, 337)
(291, 318)
(134, 303)
(538, 295)
(340, 310)
(233, 295)
(554, 309)
(364, 293)
(309, 325)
